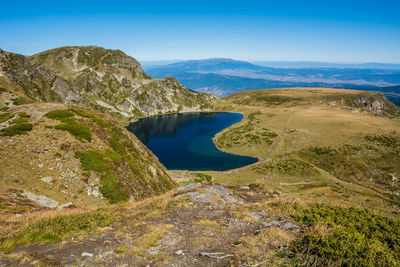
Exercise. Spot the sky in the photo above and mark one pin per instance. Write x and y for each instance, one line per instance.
(345, 31)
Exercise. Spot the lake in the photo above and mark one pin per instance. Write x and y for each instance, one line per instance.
(183, 141)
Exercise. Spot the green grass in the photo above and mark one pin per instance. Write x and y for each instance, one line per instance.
(353, 237)
(16, 129)
(112, 189)
(3, 90)
(78, 130)
(57, 229)
(5, 117)
(59, 114)
(103, 124)
(20, 101)
(121, 163)
(92, 160)
(22, 117)
(390, 141)
(376, 161)
(201, 177)
(104, 163)
(68, 123)
(291, 167)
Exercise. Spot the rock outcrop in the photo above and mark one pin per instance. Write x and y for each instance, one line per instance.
(104, 79)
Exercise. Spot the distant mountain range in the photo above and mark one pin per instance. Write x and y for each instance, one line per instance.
(221, 76)
(316, 64)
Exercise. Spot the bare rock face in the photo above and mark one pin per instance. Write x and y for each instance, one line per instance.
(87, 76)
(376, 103)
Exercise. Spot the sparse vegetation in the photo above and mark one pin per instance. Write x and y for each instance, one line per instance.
(57, 229)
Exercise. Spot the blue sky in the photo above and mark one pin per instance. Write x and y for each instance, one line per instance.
(311, 30)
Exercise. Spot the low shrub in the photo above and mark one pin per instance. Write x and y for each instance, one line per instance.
(354, 237)
(17, 129)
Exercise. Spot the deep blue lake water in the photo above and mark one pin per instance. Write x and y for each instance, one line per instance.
(184, 141)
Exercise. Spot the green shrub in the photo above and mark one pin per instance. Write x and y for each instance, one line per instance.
(5, 117)
(203, 177)
(112, 189)
(17, 129)
(355, 237)
(20, 101)
(59, 114)
(92, 160)
(95, 119)
(80, 131)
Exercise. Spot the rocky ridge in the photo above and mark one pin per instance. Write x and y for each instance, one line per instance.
(103, 79)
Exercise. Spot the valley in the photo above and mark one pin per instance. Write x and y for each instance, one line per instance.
(78, 189)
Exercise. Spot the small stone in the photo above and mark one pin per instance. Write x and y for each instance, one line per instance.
(86, 254)
(66, 205)
(290, 226)
(42, 201)
(18, 214)
(179, 252)
(47, 179)
(46, 148)
(40, 165)
(245, 187)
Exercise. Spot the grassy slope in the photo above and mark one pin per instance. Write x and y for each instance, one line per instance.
(82, 151)
(313, 148)
(361, 171)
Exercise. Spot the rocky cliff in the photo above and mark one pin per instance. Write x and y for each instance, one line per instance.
(107, 80)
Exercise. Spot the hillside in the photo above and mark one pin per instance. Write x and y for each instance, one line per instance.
(327, 175)
(55, 154)
(324, 190)
(103, 79)
(312, 140)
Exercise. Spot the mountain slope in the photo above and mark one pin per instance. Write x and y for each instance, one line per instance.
(55, 154)
(107, 80)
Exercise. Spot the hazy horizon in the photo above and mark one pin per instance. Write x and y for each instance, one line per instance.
(323, 31)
